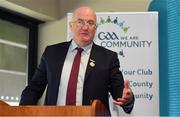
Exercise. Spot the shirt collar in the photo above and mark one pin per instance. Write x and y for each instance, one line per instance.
(86, 49)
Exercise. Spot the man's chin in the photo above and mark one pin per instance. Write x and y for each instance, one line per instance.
(85, 39)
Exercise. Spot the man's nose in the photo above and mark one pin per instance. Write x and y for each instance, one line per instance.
(85, 27)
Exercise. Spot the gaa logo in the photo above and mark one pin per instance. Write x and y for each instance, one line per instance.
(107, 36)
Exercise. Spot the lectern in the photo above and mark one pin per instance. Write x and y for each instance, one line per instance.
(95, 109)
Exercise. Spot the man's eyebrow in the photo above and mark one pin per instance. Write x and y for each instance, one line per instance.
(85, 20)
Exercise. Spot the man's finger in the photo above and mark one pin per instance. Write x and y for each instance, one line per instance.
(126, 84)
(123, 100)
(120, 101)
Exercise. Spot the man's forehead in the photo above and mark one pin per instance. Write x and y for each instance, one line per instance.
(84, 17)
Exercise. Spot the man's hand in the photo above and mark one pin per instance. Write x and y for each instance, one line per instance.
(127, 95)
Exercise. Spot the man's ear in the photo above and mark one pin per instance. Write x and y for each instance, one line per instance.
(70, 25)
(96, 27)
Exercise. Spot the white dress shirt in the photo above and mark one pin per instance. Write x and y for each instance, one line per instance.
(67, 70)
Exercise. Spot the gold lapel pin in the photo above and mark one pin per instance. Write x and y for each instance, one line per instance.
(92, 63)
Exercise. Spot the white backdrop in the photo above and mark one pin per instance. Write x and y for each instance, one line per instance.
(134, 36)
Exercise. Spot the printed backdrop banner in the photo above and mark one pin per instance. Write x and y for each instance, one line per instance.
(134, 36)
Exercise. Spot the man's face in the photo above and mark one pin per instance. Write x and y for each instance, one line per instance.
(83, 26)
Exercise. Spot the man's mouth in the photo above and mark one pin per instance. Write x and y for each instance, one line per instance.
(85, 34)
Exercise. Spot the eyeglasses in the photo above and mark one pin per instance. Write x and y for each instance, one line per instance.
(81, 23)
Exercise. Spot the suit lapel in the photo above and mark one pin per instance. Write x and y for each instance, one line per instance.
(91, 62)
(61, 58)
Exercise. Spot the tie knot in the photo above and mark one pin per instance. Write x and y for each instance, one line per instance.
(79, 50)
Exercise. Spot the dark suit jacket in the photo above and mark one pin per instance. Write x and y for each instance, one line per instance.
(99, 80)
